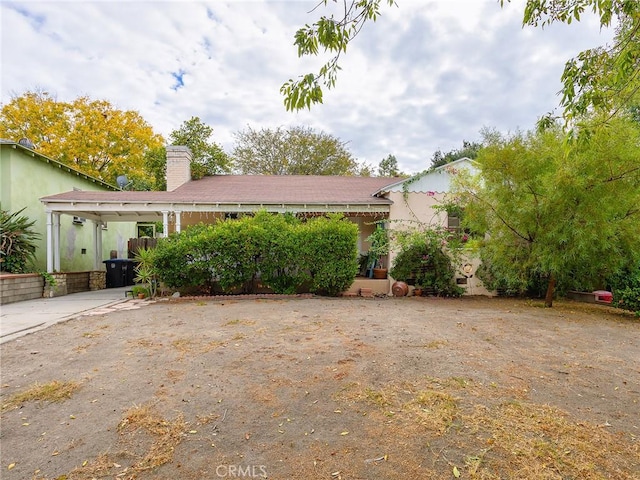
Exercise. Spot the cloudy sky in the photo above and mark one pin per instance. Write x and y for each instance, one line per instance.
(426, 76)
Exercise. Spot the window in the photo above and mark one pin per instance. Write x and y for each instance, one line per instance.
(146, 230)
(453, 222)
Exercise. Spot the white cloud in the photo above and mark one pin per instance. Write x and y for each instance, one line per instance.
(426, 76)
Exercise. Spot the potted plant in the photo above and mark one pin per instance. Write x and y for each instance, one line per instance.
(139, 291)
(379, 248)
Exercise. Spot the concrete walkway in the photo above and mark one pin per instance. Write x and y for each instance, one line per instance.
(21, 318)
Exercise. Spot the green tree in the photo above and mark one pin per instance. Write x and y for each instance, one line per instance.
(567, 218)
(90, 135)
(155, 165)
(468, 150)
(388, 167)
(292, 151)
(208, 158)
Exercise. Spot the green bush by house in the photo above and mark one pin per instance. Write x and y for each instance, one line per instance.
(278, 251)
(424, 260)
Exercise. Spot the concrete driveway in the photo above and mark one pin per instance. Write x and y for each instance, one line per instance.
(22, 318)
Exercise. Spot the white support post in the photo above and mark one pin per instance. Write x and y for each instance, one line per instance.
(99, 249)
(97, 244)
(56, 242)
(49, 241)
(177, 214)
(165, 223)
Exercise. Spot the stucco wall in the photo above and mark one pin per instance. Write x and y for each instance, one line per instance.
(416, 207)
(26, 178)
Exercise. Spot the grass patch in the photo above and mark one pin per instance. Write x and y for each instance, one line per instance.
(433, 409)
(186, 346)
(435, 344)
(239, 321)
(54, 391)
(166, 434)
(487, 440)
(430, 408)
(539, 442)
(139, 420)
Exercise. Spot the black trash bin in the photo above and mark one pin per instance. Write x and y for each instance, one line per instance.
(120, 272)
(130, 272)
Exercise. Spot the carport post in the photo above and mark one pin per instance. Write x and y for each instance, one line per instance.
(177, 213)
(165, 223)
(49, 241)
(56, 242)
(97, 244)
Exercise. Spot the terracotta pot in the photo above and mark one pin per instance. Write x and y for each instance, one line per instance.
(379, 273)
(417, 292)
(141, 295)
(399, 289)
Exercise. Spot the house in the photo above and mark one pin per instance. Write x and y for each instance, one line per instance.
(25, 177)
(188, 202)
(363, 200)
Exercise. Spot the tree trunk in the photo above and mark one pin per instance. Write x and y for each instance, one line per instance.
(551, 288)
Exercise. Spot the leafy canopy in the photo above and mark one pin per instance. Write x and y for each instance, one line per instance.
(388, 167)
(468, 150)
(557, 215)
(208, 158)
(90, 135)
(292, 151)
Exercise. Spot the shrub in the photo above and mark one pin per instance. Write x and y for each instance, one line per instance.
(17, 245)
(330, 253)
(422, 259)
(280, 242)
(625, 286)
(280, 251)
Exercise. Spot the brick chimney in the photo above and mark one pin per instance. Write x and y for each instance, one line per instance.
(178, 166)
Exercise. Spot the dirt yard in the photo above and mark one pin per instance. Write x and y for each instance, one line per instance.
(411, 388)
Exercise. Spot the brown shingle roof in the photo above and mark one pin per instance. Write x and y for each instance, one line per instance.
(254, 189)
(283, 189)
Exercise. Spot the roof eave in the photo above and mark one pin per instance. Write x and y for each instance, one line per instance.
(58, 164)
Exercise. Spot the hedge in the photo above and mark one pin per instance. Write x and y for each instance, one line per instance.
(280, 251)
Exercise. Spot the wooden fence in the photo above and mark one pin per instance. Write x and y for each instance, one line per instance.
(136, 244)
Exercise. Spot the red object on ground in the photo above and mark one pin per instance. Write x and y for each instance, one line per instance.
(399, 289)
(603, 296)
(366, 292)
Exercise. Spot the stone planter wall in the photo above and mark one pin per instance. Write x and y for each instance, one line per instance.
(60, 287)
(97, 280)
(29, 286)
(20, 287)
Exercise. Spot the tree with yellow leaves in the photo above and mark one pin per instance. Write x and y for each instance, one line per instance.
(90, 135)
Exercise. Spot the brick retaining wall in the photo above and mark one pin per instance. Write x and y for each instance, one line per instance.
(77, 282)
(29, 286)
(20, 287)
